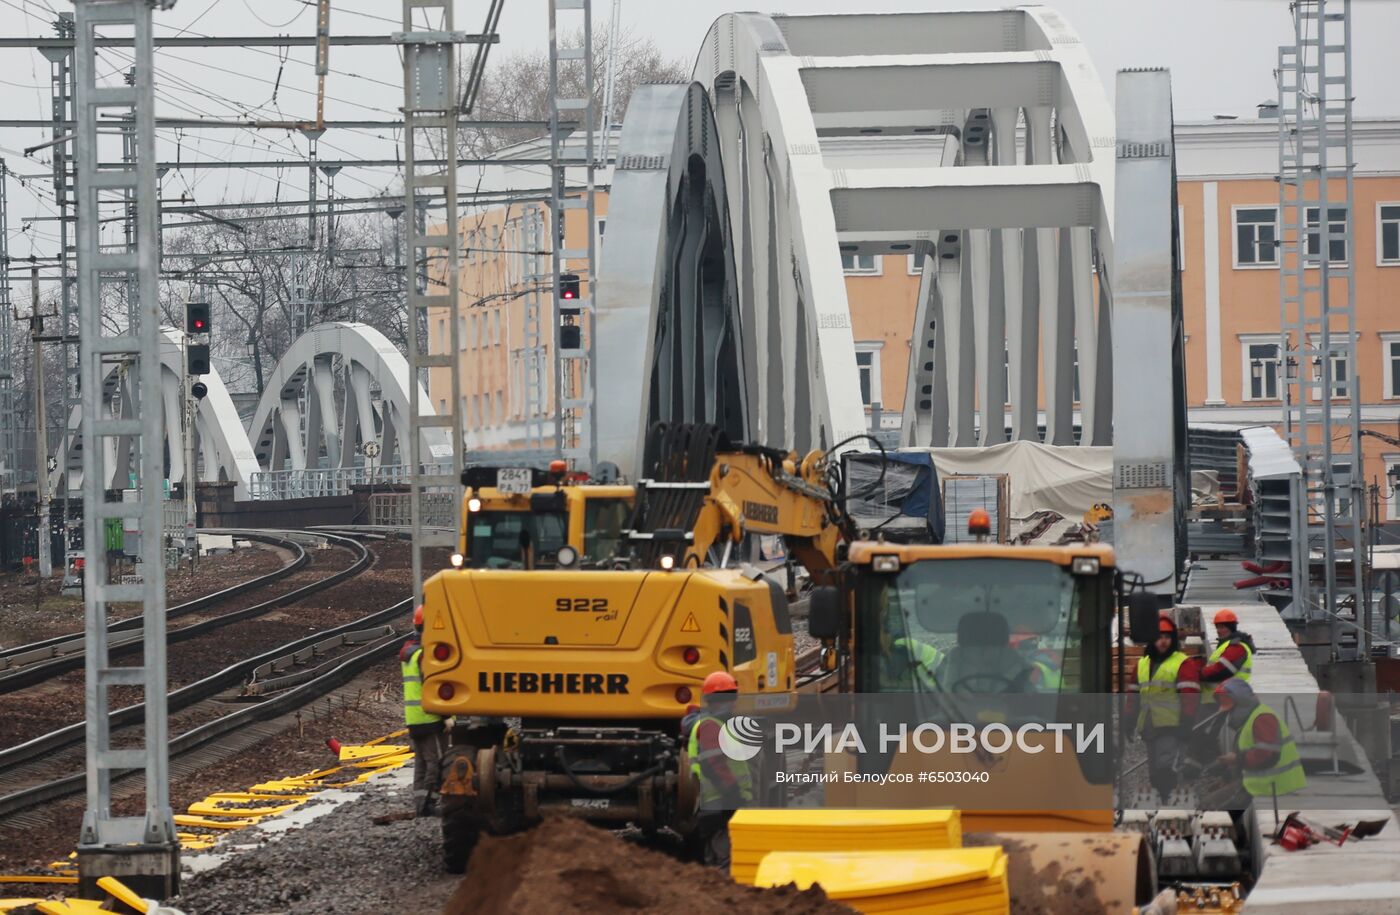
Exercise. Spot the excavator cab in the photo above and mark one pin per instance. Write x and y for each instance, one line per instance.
(942, 618)
(525, 518)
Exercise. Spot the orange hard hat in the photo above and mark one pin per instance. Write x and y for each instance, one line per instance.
(418, 616)
(1226, 616)
(1166, 624)
(979, 522)
(720, 682)
(1223, 697)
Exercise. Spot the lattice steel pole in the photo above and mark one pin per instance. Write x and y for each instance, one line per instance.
(143, 849)
(9, 456)
(573, 376)
(430, 116)
(1318, 310)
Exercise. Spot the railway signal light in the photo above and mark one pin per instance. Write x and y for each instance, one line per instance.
(570, 336)
(197, 318)
(199, 390)
(570, 286)
(197, 359)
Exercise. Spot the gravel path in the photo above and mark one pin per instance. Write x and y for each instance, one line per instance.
(340, 864)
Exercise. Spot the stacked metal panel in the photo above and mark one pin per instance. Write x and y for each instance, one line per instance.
(1274, 475)
(963, 494)
(1215, 447)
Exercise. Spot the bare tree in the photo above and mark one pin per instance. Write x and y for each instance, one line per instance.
(517, 87)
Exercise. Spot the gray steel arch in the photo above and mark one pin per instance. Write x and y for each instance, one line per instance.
(332, 369)
(221, 441)
(668, 317)
(880, 134)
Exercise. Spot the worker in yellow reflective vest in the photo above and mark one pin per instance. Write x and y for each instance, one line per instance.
(1265, 757)
(726, 781)
(427, 732)
(1164, 701)
(1233, 655)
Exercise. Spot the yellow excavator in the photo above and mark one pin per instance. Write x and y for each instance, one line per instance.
(568, 671)
(970, 622)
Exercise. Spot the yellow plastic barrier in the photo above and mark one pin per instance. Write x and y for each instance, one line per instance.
(955, 881)
(754, 834)
(122, 893)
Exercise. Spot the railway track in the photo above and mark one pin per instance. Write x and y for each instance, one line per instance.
(267, 686)
(28, 665)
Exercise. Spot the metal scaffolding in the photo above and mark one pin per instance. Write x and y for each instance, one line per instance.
(573, 376)
(1318, 314)
(430, 119)
(536, 401)
(150, 836)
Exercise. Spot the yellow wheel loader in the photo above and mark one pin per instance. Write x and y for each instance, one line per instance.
(568, 672)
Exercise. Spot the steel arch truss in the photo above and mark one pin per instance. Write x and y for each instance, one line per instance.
(223, 452)
(889, 134)
(339, 387)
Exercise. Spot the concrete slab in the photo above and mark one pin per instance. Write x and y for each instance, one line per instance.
(1359, 878)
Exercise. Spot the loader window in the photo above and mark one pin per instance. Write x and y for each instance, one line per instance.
(603, 521)
(971, 625)
(499, 540)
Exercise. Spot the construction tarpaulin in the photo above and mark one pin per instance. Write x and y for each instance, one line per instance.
(1059, 478)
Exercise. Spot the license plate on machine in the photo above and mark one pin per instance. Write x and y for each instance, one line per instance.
(513, 480)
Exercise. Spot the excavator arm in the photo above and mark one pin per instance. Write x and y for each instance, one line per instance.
(752, 493)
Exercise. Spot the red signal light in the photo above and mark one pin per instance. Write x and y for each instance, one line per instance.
(446, 692)
(441, 652)
(683, 695)
(691, 655)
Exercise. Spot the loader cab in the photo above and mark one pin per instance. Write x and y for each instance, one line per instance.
(982, 618)
(516, 517)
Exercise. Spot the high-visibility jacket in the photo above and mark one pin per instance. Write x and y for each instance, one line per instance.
(1286, 775)
(710, 789)
(1157, 692)
(925, 659)
(412, 669)
(1218, 657)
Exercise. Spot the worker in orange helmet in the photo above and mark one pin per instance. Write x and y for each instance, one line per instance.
(427, 732)
(726, 782)
(1233, 655)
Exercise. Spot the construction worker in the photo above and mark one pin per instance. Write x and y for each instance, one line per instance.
(1233, 655)
(1046, 676)
(1265, 756)
(1164, 700)
(903, 655)
(427, 732)
(725, 783)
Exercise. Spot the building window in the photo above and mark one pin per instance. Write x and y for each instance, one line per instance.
(1388, 233)
(495, 327)
(1260, 369)
(1337, 245)
(914, 264)
(1256, 236)
(1391, 462)
(461, 332)
(1337, 372)
(857, 264)
(442, 336)
(868, 365)
(1390, 358)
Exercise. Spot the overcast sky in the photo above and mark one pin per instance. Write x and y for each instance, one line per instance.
(1221, 54)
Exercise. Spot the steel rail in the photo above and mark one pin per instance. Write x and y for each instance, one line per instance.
(7, 655)
(41, 671)
(329, 678)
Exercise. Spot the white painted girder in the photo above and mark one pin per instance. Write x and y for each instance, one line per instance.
(304, 373)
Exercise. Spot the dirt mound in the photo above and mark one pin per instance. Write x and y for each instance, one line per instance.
(565, 866)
